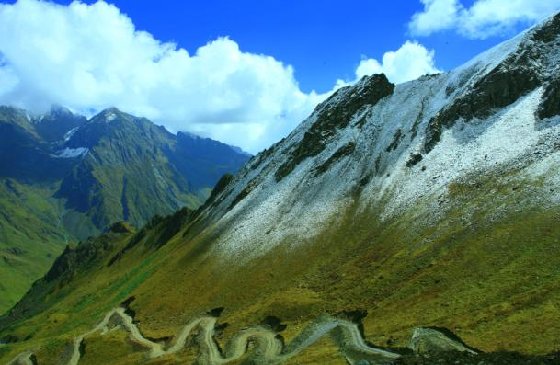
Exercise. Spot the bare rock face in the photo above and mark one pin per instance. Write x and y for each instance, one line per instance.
(426, 341)
(551, 100)
(334, 114)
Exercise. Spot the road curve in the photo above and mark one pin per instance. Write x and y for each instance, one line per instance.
(268, 348)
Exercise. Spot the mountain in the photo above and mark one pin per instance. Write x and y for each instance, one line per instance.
(25, 155)
(132, 170)
(432, 203)
(64, 178)
(56, 125)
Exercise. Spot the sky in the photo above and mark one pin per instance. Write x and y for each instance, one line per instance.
(243, 72)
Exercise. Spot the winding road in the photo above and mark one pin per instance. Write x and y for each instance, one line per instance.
(268, 348)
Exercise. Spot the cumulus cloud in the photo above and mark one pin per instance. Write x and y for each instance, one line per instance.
(482, 19)
(92, 57)
(407, 63)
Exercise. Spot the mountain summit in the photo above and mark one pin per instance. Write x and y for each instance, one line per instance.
(132, 170)
(432, 203)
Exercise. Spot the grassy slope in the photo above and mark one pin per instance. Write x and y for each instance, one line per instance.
(492, 278)
(28, 243)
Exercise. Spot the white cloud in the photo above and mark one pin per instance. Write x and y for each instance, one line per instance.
(407, 63)
(483, 19)
(437, 15)
(92, 57)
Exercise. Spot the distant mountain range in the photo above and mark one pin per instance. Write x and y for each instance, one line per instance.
(64, 178)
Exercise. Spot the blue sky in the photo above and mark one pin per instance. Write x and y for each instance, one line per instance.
(322, 40)
(243, 72)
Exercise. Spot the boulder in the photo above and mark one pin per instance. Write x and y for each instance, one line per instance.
(427, 340)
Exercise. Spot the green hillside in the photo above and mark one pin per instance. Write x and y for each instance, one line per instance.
(31, 236)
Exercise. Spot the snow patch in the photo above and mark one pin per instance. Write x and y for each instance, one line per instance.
(110, 117)
(68, 135)
(71, 152)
